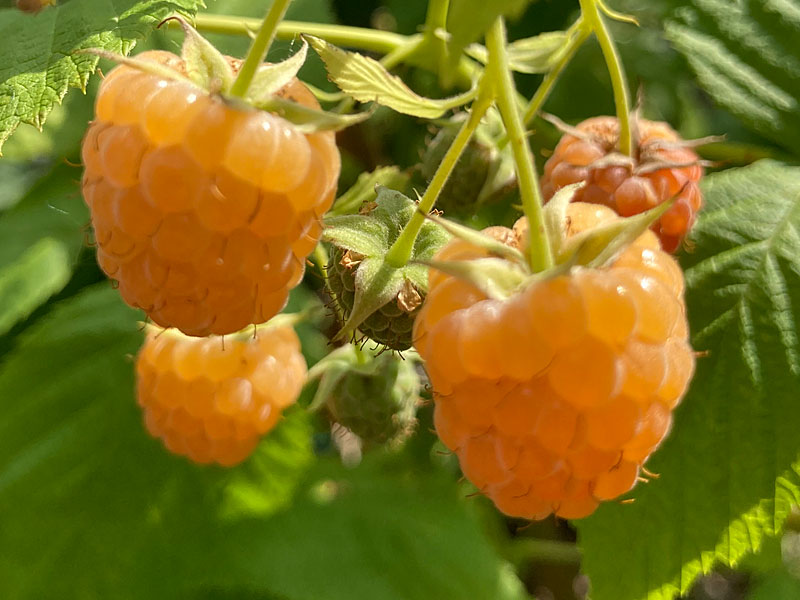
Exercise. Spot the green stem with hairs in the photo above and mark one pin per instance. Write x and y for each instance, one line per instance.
(593, 17)
(260, 47)
(400, 252)
(540, 255)
(578, 35)
(360, 38)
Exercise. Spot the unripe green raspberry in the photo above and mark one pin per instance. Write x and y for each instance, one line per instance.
(391, 324)
(461, 192)
(377, 400)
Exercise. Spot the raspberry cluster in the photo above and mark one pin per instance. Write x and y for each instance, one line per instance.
(203, 212)
(663, 167)
(212, 403)
(554, 398)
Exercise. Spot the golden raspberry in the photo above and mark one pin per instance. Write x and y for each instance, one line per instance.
(554, 398)
(631, 189)
(204, 212)
(213, 403)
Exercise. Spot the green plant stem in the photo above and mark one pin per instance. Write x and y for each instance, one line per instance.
(259, 47)
(591, 13)
(360, 38)
(401, 250)
(539, 254)
(578, 37)
(435, 27)
(525, 550)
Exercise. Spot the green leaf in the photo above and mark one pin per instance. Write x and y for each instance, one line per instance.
(363, 190)
(468, 20)
(309, 120)
(529, 55)
(17, 178)
(730, 470)
(39, 273)
(780, 585)
(205, 65)
(80, 477)
(95, 508)
(37, 60)
(366, 80)
(42, 237)
(270, 78)
(388, 530)
(745, 57)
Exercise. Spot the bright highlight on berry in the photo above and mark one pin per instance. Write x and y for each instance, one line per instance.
(213, 402)
(663, 167)
(204, 211)
(554, 398)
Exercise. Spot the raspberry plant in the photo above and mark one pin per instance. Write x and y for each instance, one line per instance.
(629, 365)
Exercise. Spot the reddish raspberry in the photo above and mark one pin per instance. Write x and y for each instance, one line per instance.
(203, 212)
(34, 6)
(635, 188)
(553, 398)
(213, 403)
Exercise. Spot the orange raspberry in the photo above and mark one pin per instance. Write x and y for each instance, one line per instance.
(213, 403)
(553, 398)
(633, 188)
(204, 212)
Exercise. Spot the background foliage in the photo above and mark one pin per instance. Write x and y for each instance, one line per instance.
(92, 507)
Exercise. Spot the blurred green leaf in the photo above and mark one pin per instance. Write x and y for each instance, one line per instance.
(17, 178)
(729, 472)
(37, 64)
(780, 585)
(39, 273)
(42, 236)
(94, 508)
(468, 20)
(745, 56)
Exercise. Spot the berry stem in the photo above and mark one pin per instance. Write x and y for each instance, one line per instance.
(540, 255)
(259, 47)
(546, 551)
(400, 252)
(360, 38)
(578, 33)
(591, 13)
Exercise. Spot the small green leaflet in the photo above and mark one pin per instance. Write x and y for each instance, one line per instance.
(730, 470)
(37, 60)
(745, 57)
(468, 20)
(366, 80)
(529, 55)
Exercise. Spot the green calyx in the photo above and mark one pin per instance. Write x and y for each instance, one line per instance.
(374, 297)
(211, 71)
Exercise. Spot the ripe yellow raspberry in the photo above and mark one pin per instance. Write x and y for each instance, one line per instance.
(203, 212)
(213, 403)
(634, 188)
(554, 398)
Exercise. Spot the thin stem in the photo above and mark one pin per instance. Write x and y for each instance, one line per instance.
(259, 47)
(435, 27)
(539, 254)
(591, 12)
(401, 250)
(360, 38)
(578, 37)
